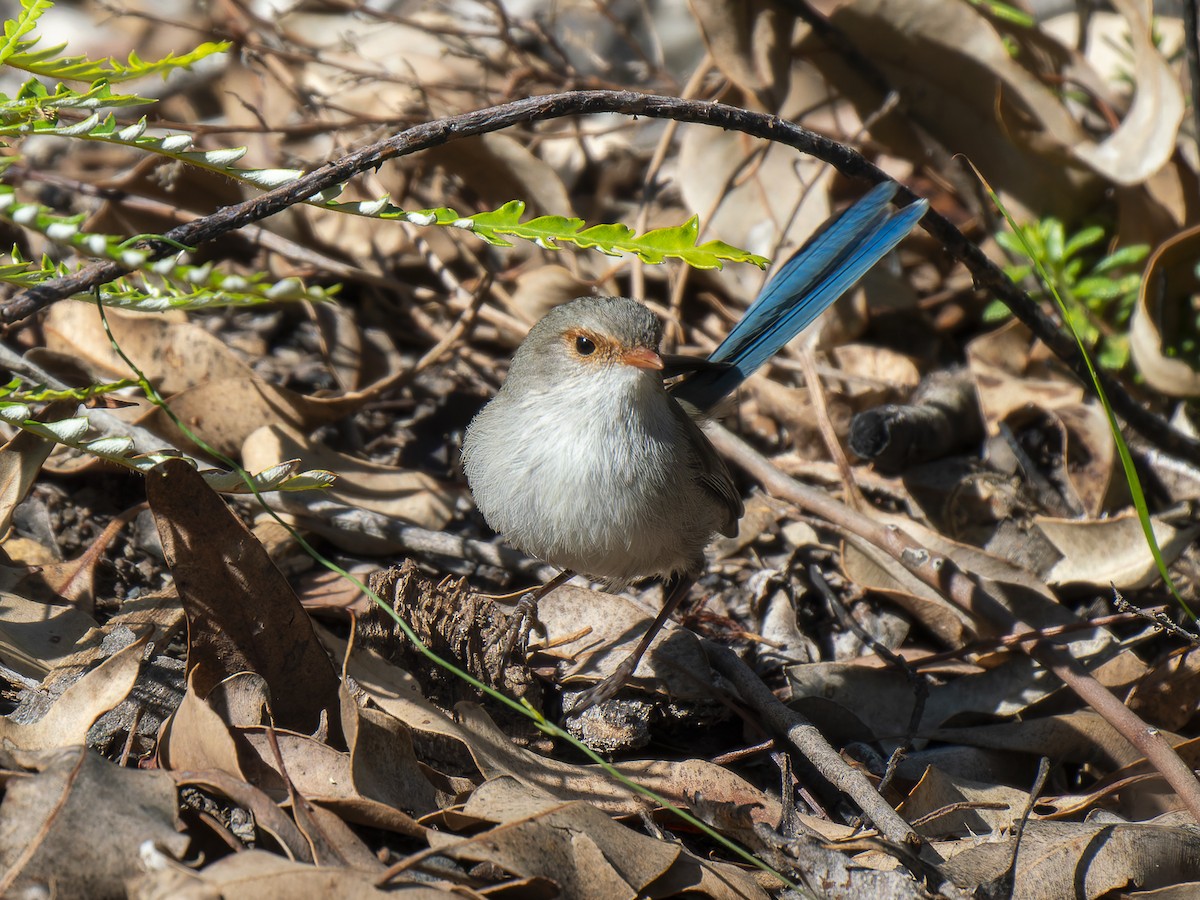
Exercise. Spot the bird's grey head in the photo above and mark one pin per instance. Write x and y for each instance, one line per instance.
(586, 335)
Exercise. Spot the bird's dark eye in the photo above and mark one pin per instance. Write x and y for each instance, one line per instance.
(584, 346)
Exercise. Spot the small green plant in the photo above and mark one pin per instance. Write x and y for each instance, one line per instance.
(1099, 290)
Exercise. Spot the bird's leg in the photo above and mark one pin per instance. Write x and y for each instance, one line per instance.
(525, 612)
(677, 588)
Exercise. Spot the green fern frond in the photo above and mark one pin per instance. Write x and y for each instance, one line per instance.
(47, 63)
(16, 391)
(496, 225)
(16, 29)
(17, 51)
(35, 110)
(167, 283)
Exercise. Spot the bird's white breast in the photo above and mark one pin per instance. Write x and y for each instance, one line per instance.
(596, 480)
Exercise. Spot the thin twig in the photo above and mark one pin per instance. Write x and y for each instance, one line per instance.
(988, 276)
(805, 737)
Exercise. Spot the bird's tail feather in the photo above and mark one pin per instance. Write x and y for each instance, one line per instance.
(818, 273)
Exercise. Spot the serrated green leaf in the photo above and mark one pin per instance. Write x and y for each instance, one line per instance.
(48, 64)
(15, 29)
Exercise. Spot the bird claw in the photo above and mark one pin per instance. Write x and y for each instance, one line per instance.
(523, 618)
(606, 689)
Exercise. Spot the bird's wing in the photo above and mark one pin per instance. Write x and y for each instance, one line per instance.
(821, 271)
(710, 470)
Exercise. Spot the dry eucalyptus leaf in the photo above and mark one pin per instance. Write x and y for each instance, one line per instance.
(1084, 859)
(413, 497)
(34, 636)
(242, 614)
(541, 288)
(383, 763)
(1111, 551)
(1166, 298)
(173, 353)
(67, 721)
(197, 739)
(751, 44)
(76, 829)
(875, 374)
(752, 195)
(592, 632)
(269, 818)
(939, 791)
(1166, 694)
(582, 849)
(215, 393)
(1081, 736)
(266, 876)
(1011, 374)
(323, 775)
(498, 168)
(21, 460)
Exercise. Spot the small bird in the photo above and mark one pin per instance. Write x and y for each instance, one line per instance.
(589, 461)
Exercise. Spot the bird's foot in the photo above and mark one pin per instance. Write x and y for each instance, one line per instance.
(516, 633)
(606, 689)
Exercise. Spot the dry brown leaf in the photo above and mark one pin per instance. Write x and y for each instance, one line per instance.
(591, 632)
(67, 721)
(582, 849)
(77, 828)
(963, 85)
(1084, 859)
(495, 755)
(174, 354)
(1082, 736)
(266, 876)
(753, 196)
(1111, 551)
(409, 496)
(1169, 285)
(1166, 694)
(323, 776)
(498, 168)
(870, 568)
(220, 398)
(938, 791)
(751, 44)
(541, 288)
(242, 614)
(1012, 374)
(875, 374)
(268, 817)
(332, 841)
(21, 460)
(383, 763)
(685, 781)
(197, 739)
(34, 636)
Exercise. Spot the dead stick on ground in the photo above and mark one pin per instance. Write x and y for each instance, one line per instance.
(805, 737)
(941, 573)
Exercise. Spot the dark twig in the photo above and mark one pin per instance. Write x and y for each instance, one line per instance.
(1158, 618)
(918, 680)
(805, 737)
(988, 277)
(1002, 887)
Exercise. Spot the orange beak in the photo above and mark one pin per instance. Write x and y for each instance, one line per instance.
(642, 358)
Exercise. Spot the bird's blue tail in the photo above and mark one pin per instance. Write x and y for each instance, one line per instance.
(818, 273)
